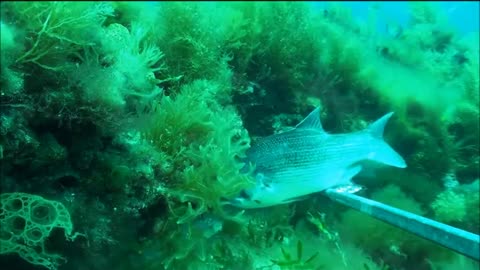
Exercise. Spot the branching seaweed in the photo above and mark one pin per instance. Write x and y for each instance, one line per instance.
(290, 263)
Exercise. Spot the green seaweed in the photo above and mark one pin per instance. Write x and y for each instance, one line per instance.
(296, 262)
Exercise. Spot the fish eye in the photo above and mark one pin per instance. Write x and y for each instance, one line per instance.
(244, 194)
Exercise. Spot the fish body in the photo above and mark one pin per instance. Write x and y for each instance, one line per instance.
(305, 160)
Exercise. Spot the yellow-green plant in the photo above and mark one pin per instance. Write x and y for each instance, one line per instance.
(202, 141)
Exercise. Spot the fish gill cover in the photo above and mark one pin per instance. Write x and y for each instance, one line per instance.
(136, 117)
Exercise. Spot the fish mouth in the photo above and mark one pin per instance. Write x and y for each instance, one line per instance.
(225, 201)
(237, 201)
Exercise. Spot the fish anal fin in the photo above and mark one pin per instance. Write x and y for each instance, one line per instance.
(350, 173)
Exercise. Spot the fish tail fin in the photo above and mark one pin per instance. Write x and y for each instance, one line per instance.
(384, 153)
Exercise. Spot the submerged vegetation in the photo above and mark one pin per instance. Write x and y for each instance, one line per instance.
(133, 118)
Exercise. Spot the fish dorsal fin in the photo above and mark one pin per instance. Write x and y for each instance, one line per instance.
(376, 128)
(312, 121)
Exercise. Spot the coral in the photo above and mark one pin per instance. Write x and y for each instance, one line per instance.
(27, 221)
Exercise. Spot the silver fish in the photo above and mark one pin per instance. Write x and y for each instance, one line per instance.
(294, 164)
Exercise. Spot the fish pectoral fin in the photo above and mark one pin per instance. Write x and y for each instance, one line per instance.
(295, 199)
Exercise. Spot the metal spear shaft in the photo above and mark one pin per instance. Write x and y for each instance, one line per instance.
(461, 241)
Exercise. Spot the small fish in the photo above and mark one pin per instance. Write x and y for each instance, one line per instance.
(294, 164)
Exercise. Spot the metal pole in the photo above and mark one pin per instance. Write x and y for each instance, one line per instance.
(461, 241)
